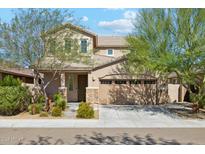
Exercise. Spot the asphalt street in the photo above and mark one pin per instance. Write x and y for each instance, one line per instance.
(110, 136)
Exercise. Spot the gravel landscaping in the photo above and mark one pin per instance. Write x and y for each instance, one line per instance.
(69, 113)
(114, 116)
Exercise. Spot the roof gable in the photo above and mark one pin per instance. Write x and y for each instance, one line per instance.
(99, 41)
(71, 26)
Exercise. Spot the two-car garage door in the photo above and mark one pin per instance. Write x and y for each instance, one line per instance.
(118, 90)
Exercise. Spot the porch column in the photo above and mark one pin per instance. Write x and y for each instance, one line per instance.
(62, 79)
(180, 93)
(63, 89)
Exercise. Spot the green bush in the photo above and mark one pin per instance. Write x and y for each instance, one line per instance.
(198, 98)
(85, 111)
(57, 96)
(202, 102)
(10, 81)
(35, 108)
(60, 101)
(14, 99)
(56, 111)
(44, 114)
(41, 99)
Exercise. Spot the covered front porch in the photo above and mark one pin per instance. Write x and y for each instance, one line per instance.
(71, 84)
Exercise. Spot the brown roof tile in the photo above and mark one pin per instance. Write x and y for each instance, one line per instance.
(111, 41)
(17, 71)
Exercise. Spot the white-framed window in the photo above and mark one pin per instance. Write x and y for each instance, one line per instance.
(110, 52)
(84, 45)
(68, 44)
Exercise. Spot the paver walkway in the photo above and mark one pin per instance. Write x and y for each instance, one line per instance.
(112, 116)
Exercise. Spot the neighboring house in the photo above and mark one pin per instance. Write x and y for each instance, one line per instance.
(25, 75)
(104, 82)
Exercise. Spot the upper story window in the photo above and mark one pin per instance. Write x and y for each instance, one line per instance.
(68, 45)
(110, 52)
(84, 45)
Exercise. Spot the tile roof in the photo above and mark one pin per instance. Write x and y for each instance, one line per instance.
(128, 77)
(111, 41)
(17, 71)
(101, 59)
(101, 41)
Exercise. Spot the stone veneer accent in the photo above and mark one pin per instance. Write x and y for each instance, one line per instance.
(92, 95)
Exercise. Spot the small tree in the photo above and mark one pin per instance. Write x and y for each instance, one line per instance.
(170, 40)
(25, 40)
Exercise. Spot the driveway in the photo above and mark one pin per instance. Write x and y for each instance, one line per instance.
(112, 116)
(144, 116)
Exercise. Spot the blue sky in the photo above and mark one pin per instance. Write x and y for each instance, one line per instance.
(101, 21)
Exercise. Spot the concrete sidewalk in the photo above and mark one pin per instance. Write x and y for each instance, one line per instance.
(112, 117)
(33, 123)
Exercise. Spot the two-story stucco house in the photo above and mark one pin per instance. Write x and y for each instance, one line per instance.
(106, 81)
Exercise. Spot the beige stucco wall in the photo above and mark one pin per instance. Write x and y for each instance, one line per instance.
(61, 35)
(173, 92)
(93, 77)
(116, 52)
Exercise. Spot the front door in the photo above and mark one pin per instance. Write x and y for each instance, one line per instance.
(82, 84)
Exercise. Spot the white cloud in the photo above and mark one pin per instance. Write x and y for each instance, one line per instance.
(130, 15)
(85, 18)
(123, 25)
(120, 25)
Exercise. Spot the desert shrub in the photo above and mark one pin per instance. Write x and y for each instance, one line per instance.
(202, 102)
(10, 81)
(14, 99)
(40, 99)
(35, 108)
(57, 96)
(85, 111)
(44, 114)
(60, 101)
(56, 111)
(61, 104)
(198, 98)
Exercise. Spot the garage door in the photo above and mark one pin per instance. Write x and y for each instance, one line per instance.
(127, 91)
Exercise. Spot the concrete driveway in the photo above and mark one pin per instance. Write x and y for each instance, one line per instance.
(112, 116)
(144, 116)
